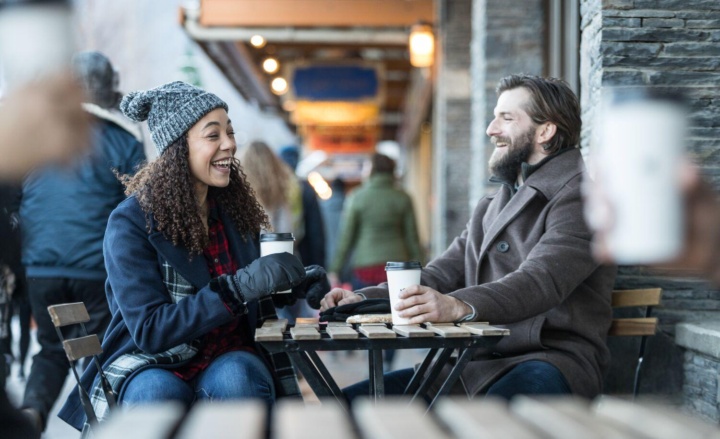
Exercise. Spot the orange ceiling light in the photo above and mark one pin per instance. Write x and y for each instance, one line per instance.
(335, 113)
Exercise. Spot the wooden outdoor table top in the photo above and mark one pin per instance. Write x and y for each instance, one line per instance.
(376, 336)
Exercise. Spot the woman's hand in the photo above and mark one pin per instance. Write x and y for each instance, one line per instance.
(266, 275)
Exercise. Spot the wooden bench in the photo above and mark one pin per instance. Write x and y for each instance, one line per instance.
(453, 418)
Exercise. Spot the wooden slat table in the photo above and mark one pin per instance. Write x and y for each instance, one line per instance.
(442, 341)
(399, 418)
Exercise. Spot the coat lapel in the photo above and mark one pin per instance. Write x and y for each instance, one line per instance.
(193, 270)
(507, 213)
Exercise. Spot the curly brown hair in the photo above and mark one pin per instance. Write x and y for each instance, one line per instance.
(164, 188)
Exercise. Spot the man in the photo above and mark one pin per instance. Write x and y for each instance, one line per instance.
(524, 260)
(63, 214)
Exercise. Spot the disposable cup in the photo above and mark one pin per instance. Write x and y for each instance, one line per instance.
(271, 243)
(401, 275)
(637, 164)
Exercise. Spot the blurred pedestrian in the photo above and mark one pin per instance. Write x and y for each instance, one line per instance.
(63, 216)
(275, 188)
(378, 225)
(279, 192)
(332, 209)
(184, 272)
(312, 244)
(15, 291)
(54, 103)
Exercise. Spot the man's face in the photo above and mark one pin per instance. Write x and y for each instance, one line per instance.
(513, 134)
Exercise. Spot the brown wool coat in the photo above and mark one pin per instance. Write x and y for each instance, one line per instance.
(524, 262)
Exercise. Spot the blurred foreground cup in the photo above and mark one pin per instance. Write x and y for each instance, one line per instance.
(636, 161)
(401, 275)
(36, 39)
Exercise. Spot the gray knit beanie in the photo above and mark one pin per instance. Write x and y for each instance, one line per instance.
(170, 110)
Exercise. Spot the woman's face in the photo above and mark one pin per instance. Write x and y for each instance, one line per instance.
(211, 142)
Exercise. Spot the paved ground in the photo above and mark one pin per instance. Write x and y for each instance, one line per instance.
(346, 367)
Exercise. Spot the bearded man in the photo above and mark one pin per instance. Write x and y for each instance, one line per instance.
(524, 260)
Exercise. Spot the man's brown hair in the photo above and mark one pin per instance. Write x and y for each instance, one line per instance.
(551, 100)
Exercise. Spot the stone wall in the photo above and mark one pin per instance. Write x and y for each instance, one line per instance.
(451, 119)
(670, 45)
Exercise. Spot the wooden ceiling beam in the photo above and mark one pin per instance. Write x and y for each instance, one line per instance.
(316, 13)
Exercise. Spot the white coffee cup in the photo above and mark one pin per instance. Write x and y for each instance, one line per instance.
(271, 243)
(637, 164)
(401, 275)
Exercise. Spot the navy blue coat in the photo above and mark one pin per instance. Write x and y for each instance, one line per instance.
(143, 314)
(65, 209)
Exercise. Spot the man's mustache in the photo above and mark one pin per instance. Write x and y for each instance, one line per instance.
(496, 140)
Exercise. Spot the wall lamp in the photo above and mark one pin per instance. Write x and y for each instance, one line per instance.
(422, 45)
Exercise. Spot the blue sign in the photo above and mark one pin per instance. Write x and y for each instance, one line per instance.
(335, 83)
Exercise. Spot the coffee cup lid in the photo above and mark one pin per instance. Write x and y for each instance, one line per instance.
(409, 265)
(268, 237)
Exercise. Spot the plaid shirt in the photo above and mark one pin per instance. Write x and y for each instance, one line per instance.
(233, 336)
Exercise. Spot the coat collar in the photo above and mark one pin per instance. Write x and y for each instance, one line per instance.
(380, 180)
(554, 174)
(194, 267)
(547, 180)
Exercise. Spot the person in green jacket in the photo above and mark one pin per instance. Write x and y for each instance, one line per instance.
(378, 225)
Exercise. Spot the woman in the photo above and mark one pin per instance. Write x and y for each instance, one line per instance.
(378, 225)
(275, 186)
(184, 308)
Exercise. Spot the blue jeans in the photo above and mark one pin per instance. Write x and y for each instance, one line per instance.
(528, 378)
(233, 375)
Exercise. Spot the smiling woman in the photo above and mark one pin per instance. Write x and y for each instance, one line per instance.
(184, 273)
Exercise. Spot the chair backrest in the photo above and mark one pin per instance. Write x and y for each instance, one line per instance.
(87, 345)
(647, 325)
(70, 314)
(636, 326)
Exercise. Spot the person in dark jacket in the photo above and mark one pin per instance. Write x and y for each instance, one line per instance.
(186, 286)
(524, 260)
(63, 214)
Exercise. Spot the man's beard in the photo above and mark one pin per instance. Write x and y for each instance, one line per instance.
(507, 166)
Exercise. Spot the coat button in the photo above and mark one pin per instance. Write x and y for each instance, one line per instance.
(503, 247)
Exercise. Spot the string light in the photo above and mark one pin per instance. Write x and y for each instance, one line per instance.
(279, 86)
(257, 41)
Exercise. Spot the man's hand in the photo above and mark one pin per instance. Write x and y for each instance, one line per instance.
(337, 297)
(423, 304)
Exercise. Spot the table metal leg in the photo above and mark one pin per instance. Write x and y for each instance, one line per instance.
(316, 381)
(434, 372)
(420, 372)
(377, 383)
(462, 361)
(325, 374)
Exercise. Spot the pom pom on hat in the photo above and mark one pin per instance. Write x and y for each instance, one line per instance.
(171, 110)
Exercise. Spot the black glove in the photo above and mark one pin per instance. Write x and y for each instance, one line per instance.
(266, 275)
(367, 306)
(314, 287)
